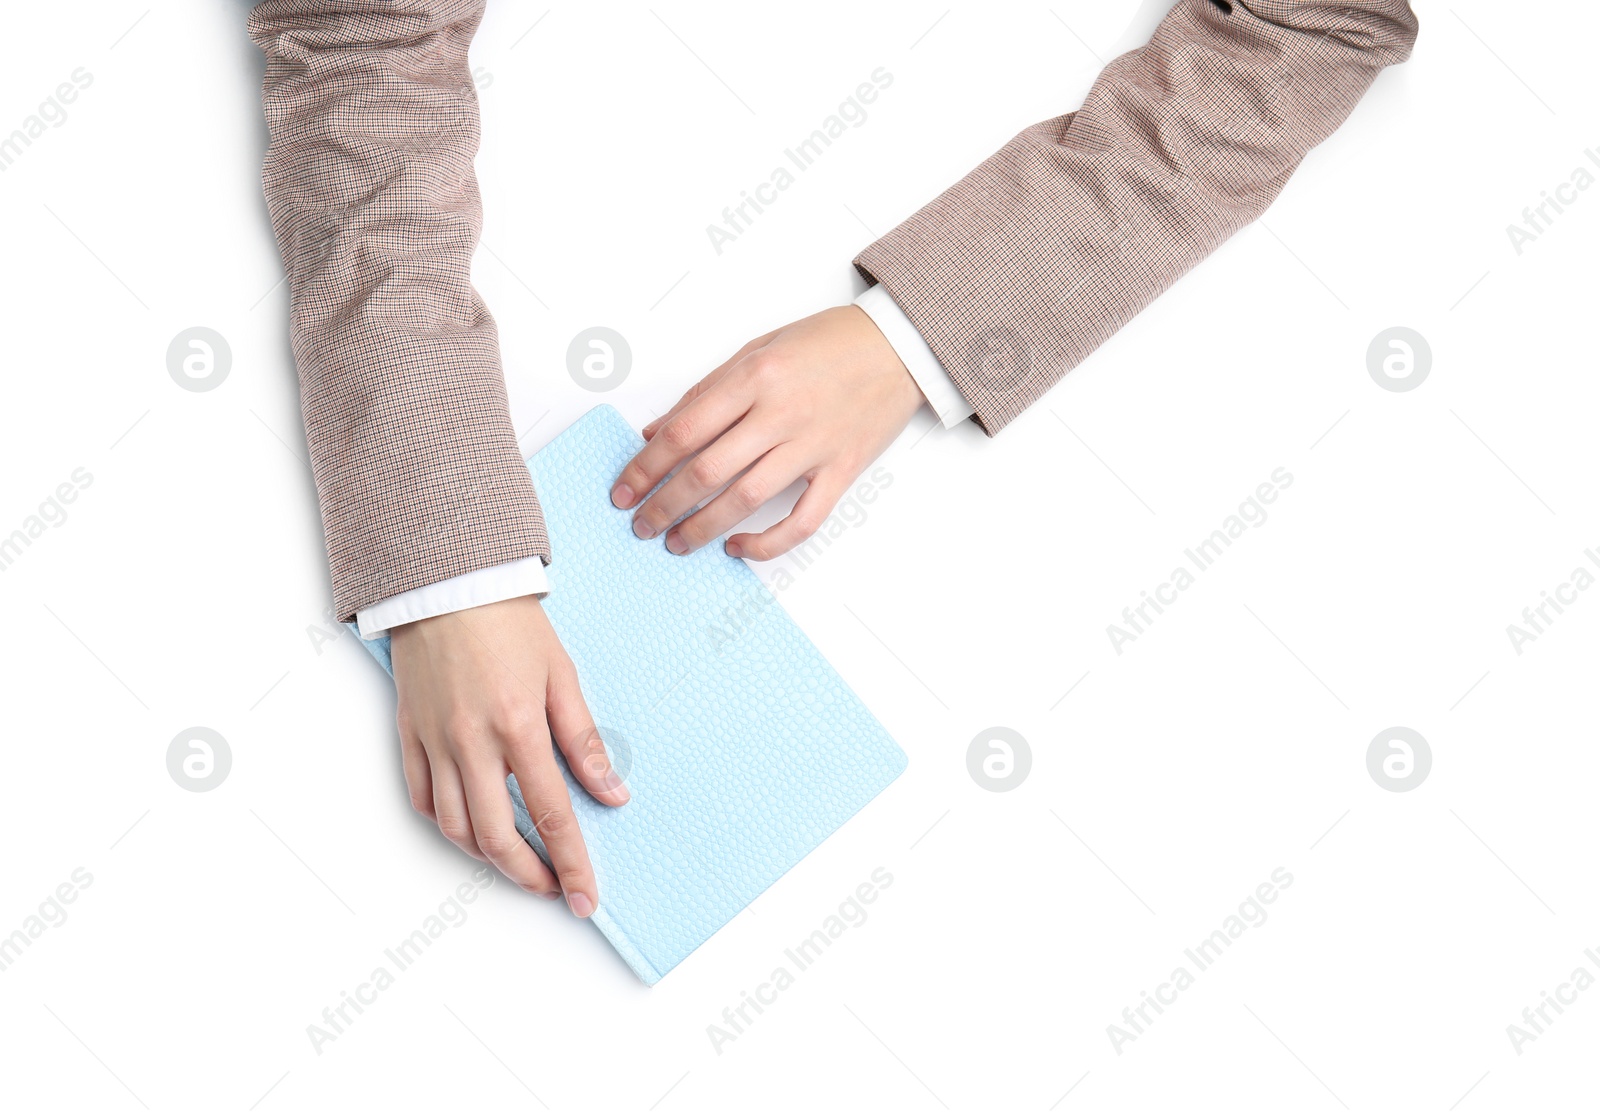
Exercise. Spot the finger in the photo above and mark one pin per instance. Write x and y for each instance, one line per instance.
(703, 475)
(450, 804)
(746, 494)
(701, 421)
(694, 391)
(822, 494)
(494, 827)
(419, 775)
(707, 381)
(545, 793)
(579, 739)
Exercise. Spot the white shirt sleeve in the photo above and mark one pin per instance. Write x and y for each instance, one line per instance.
(941, 392)
(510, 580)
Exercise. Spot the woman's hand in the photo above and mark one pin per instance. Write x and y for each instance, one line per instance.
(482, 693)
(819, 399)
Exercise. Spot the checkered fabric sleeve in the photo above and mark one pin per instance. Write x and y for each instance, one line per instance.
(373, 121)
(1018, 272)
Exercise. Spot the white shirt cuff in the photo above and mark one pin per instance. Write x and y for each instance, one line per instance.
(495, 584)
(941, 392)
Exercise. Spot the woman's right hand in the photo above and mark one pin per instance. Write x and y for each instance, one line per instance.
(482, 694)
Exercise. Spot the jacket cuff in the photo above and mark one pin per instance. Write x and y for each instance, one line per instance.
(916, 355)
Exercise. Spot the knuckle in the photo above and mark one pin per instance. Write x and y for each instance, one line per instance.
(527, 766)
(655, 513)
(750, 493)
(805, 524)
(706, 471)
(557, 824)
(496, 843)
(564, 681)
(455, 828)
(462, 728)
(677, 433)
(574, 875)
(762, 368)
(516, 721)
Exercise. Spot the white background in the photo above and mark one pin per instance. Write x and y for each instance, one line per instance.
(1228, 741)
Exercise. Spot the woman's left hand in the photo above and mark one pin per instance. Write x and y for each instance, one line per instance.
(819, 399)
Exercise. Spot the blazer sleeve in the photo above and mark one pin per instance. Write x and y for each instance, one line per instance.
(373, 123)
(1045, 250)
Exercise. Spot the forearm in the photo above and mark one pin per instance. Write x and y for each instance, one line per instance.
(1018, 272)
(369, 181)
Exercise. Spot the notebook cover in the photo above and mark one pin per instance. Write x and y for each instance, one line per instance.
(742, 748)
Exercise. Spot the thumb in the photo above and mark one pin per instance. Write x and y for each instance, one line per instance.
(578, 738)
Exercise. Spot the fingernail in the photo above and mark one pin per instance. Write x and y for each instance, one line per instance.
(551, 895)
(733, 549)
(675, 543)
(641, 528)
(622, 496)
(581, 906)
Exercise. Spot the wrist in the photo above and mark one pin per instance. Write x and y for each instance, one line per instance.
(883, 360)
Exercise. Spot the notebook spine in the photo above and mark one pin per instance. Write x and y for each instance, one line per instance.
(624, 946)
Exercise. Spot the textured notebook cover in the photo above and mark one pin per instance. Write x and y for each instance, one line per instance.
(742, 748)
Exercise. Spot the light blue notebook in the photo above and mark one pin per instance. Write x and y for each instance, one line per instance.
(742, 748)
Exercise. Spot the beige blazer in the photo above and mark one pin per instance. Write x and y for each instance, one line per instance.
(1013, 276)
